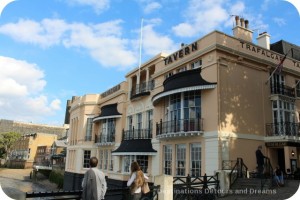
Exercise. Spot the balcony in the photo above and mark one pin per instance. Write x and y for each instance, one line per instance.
(282, 129)
(283, 90)
(137, 134)
(88, 138)
(179, 128)
(105, 139)
(141, 89)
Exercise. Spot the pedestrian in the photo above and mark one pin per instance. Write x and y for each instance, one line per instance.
(260, 160)
(94, 183)
(136, 180)
(278, 176)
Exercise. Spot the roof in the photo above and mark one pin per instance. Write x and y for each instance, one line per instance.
(135, 147)
(108, 111)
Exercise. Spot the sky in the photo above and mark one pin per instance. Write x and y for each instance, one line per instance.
(51, 50)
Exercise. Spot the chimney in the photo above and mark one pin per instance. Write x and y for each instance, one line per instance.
(241, 30)
(237, 20)
(263, 40)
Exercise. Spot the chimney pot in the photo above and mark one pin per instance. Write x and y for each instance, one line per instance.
(242, 22)
(237, 18)
(246, 23)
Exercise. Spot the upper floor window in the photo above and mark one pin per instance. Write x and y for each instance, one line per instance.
(181, 69)
(89, 126)
(167, 159)
(297, 83)
(196, 64)
(168, 75)
(86, 158)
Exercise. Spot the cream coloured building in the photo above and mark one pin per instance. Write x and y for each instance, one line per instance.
(210, 102)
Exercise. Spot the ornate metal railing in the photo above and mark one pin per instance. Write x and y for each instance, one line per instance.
(282, 129)
(137, 134)
(105, 138)
(141, 88)
(202, 187)
(283, 90)
(181, 125)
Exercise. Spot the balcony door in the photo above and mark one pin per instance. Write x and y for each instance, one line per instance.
(284, 117)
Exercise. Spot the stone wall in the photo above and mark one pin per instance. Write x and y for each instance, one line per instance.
(29, 128)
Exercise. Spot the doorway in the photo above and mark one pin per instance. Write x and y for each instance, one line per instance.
(281, 159)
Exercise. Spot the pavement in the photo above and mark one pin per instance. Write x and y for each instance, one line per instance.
(16, 182)
(288, 191)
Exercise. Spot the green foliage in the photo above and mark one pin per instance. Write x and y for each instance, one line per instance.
(7, 140)
(57, 178)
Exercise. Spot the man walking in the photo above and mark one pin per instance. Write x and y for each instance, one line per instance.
(94, 183)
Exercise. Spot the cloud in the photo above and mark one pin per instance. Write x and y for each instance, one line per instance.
(202, 16)
(98, 5)
(151, 7)
(46, 33)
(104, 42)
(21, 87)
(279, 21)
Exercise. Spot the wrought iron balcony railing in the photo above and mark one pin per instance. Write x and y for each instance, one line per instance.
(142, 88)
(283, 90)
(182, 125)
(137, 134)
(88, 138)
(105, 138)
(282, 129)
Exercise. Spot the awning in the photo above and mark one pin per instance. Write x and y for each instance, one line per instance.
(108, 111)
(189, 80)
(135, 147)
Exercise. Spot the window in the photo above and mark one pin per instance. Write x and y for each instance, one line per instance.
(195, 160)
(142, 160)
(89, 126)
(196, 64)
(167, 163)
(180, 159)
(168, 75)
(101, 154)
(86, 159)
(149, 121)
(105, 160)
(108, 131)
(129, 122)
(181, 69)
(297, 83)
(284, 117)
(111, 165)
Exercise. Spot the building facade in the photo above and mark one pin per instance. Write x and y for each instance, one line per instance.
(214, 100)
(32, 149)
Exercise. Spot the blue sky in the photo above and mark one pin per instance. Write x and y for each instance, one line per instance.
(51, 50)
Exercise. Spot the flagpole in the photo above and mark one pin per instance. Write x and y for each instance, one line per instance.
(281, 63)
(140, 56)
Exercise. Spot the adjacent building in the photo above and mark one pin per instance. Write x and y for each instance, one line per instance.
(32, 149)
(214, 100)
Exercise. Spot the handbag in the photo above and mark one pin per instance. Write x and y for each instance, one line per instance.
(145, 188)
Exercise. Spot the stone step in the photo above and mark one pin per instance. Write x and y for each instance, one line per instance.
(250, 183)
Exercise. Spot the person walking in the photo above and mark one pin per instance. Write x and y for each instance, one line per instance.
(260, 160)
(94, 184)
(136, 180)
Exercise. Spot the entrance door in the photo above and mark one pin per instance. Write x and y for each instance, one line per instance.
(281, 162)
(293, 165)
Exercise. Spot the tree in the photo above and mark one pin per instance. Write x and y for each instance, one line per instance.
(7, 140)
